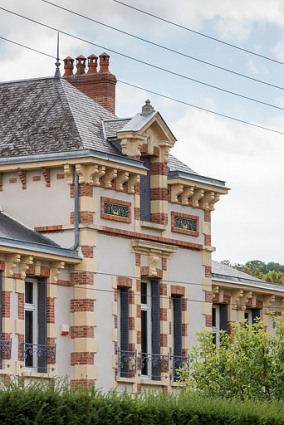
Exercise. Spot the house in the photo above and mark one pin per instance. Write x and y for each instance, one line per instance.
(105, 238)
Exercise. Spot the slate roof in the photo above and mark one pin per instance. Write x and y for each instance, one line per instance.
(49, 115)
(223, 270)
(14, 230)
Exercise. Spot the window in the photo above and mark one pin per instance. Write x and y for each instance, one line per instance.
(150, 330)
(177, 334)
(219, 321)
(35, 348)
(145, 199)
(251, 315)
(123, 331)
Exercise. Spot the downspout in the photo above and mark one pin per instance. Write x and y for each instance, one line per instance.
(76, 213)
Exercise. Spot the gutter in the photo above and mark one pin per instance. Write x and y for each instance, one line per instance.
(238, 281)
(33, 246)
(76, 211)
(196, 177)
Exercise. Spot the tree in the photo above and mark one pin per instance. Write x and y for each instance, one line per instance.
(249, 363)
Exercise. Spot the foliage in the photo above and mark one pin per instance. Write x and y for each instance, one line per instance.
(41, 403)
(270, 272)
(248, 364)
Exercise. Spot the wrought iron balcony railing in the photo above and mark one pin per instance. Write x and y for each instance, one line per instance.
(40, 350)
(6, 348)
(126, 362)
(177, 363)
(153, 364)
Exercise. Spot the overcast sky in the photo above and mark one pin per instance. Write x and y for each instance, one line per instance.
(248, 223)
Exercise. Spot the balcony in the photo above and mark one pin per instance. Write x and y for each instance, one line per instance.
(126, 363)
(5, 349)
(36, 355)
(177, 363)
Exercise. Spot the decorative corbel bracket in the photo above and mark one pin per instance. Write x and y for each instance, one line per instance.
(122, 177)
(133, 180)
(235, 298)
(152, 264)
(131, 144)
(267, 301)
(97, 175)
(186, 194)
(69, 172)
(214, 201)
(208, 197)
(26, 261)
(11, 262)
(247, 296)
(176, 189)
(55, 270)
(110, 174)
(197, 196)
(87, 172)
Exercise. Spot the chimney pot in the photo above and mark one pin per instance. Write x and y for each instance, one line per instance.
(104, 63)
(68, 66)
(92, 64)
(80, 64)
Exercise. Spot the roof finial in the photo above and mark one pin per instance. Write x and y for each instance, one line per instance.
(147, 108)
(57, 63)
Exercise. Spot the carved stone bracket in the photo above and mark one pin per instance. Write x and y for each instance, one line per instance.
(55, 268)
(122, 177)
(186, 194)
(100, 173)
(133, 180)
(26, 261)
(214, 201)
(207, 199)
(110, 174)
(69, 172)
(197, 196)
(152, 264)
(247, 296)
(131, 146)
(267, 301)
(176, 190)
(11, 262)
(235, 298)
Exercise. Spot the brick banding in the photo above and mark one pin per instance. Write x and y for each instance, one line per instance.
(81, 278)
(87, 251)
(124, 282)
(178, 290)
(49, 229)
(82, 332)
(82, 358)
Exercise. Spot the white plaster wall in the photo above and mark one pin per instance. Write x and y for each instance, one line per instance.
(64, 344)
(65, 239)
(185, 269)
(190, 211)
(37, 205)
(114, 256)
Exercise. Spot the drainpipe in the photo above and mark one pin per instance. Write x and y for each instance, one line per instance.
(76, 206)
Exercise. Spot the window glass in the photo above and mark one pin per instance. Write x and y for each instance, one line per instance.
(29, 292)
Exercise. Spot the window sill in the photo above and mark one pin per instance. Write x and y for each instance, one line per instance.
(152, 382)
(129, 380)
(155, 226)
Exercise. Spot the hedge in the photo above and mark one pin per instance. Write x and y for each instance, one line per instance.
(40, 403)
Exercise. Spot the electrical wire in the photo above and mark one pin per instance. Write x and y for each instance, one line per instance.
(165, 47)
(232, 93)
(177, 100)
(26, 47)
(200, 33)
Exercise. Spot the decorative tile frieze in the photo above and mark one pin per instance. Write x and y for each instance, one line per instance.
(115, 209)
(185, 223)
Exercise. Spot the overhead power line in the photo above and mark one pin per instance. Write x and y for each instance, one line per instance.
(147, 63)
(166, 48)
(200, 33)
(27, 47)
(171, 98)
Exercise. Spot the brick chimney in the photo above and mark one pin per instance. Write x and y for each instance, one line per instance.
(99, 86)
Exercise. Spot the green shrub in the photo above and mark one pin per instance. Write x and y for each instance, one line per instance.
(38, 403)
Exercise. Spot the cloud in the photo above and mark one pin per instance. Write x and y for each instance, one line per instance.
(248, 222)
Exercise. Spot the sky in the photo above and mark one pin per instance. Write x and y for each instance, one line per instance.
(247, 224)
